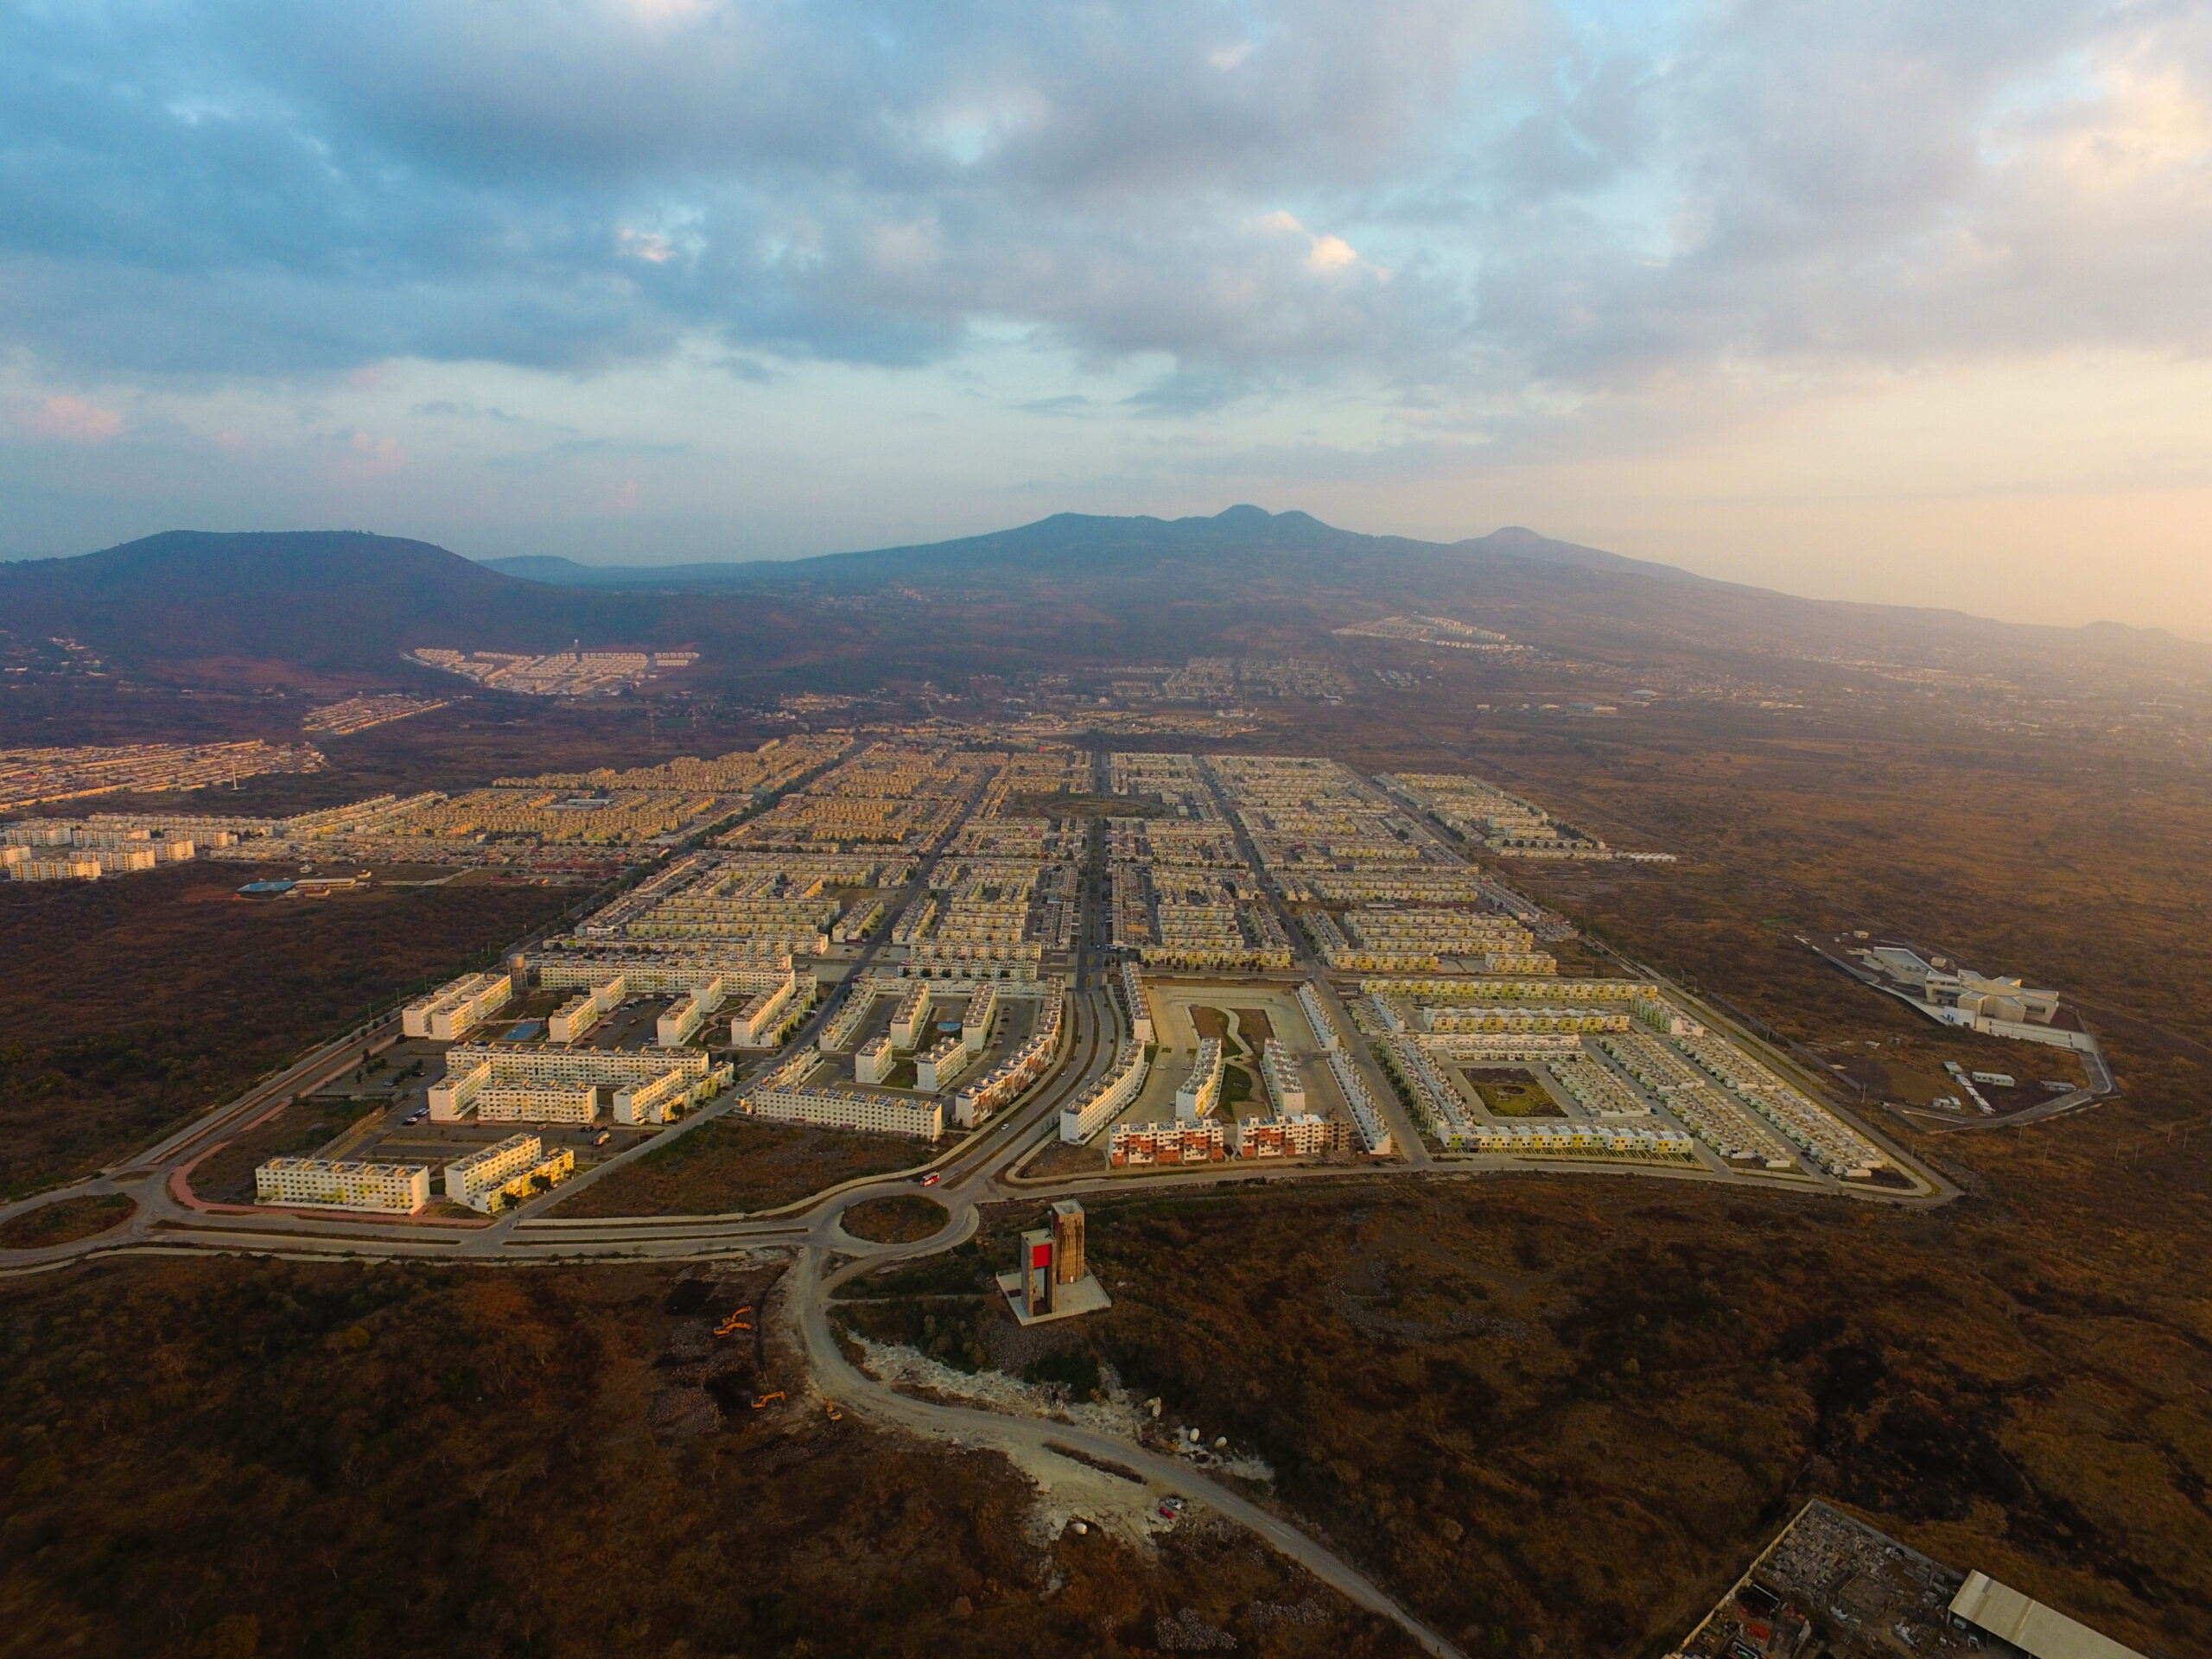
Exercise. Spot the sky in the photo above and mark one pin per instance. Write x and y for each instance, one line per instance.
(1885, 300)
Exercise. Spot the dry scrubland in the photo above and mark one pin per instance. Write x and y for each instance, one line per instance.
(734, 1164)
(900, 1219)
(65, 1222)
(216, 1460)
(156, 996)
(1555, 1414)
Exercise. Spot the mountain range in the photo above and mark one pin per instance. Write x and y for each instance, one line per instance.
(1068, 541)
(197, 607)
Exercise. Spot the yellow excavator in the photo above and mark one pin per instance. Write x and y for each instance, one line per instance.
(766, 1398)
(836, 1415)
(735, 1323)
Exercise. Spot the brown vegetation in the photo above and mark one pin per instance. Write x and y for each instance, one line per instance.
(737, 1163)
(1254, 1028)
(903, 1218)
(157, 995)
(219, 1457)
(66, 1221)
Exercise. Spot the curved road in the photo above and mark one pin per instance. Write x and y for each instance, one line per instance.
(169, 1220)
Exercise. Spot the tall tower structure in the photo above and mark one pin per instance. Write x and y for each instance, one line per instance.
(1037, 1272)
(1067, 1242)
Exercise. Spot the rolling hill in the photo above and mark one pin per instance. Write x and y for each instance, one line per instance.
(191, 606)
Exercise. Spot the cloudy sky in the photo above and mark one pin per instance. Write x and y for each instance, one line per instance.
(1881, 300)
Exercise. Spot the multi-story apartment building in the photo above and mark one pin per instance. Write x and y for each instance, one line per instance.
(1197, 1095)
(323, 1183)
(449, 1013)
(573, 1017)
(1166, 1143)
(871, 1062)
(483, 1179)
(524, 1081)
(1289, 1136)
(833, 1108)
(1115, 1090)
(1285, 1087)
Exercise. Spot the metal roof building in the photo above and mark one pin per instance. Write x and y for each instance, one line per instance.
(2027, 1625)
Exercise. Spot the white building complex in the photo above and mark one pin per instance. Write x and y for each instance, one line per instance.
(1366, 1116)
(1285, 1086)
(1317, 1015)
(509, 1082)
(936, 1070)
(911, 1017)
(871, 1062)
(784, 1095)
(498, 1176)
(1290, 1135)
(1198, 1094)
(576, 1016)
(763, 1013)
(682, 1019)
(448, 1012)
(1140, 1010)
(322, 1183)
(1006, 1080)
(1115, 1089)
(976, 1018)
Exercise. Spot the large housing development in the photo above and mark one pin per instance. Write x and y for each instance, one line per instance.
(563, 674)
(594, 820)
(28, 777)
(1304, 963)
(1451, 979)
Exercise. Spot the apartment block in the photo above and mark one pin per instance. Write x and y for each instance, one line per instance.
(1198, 1093)
(475, 1179)
(520, 1081)
(976, 1018)
(573, 1017)
(759, 1018)
(449, 1013)
(1318, 1016)
(1115, 1090)
(1290, 1135)
(1133, 998)
(911, 1017)
(1017, 1070)
(1284, 1085)
(682, 1017)
(936, 1070)
(1139, 1144)
(322, 1184)
(840, 1109)
(1367, 1117)
(872, 1063)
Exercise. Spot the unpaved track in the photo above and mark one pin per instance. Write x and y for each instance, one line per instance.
(1030, 1440)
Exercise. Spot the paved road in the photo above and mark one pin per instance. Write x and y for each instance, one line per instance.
(1405, 1139)
(975, 1172)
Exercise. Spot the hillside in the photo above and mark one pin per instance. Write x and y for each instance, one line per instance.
(193, 608)
(306, 599)
(1240, 541)
(200, 606)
